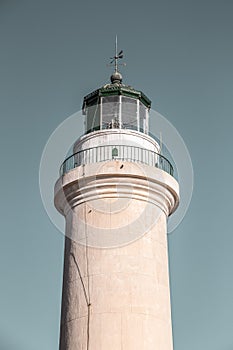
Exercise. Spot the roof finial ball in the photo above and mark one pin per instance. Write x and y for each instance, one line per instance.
(116, 78)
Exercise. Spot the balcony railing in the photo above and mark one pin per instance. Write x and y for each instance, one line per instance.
(116, 152)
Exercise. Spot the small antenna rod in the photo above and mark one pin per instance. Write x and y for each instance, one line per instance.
(117, 56)
(160, 141)
(116, 67)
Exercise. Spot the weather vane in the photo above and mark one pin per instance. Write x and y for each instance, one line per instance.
(116, 58)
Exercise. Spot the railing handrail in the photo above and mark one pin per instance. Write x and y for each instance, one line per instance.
(160, 156)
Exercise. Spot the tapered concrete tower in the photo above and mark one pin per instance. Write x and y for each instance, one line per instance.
(116, 192)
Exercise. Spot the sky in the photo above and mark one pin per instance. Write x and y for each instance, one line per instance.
(180, 53)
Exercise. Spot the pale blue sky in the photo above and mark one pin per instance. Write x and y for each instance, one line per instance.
(180, 54)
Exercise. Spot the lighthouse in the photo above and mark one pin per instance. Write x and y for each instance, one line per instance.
(116, 192)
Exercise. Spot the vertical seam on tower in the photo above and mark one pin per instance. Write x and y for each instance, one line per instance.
(88, 278)
(86, 291)
(81, 279)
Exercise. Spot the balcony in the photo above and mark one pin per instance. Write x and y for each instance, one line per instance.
(116, 152)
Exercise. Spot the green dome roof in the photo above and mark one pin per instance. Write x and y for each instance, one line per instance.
(115, 89)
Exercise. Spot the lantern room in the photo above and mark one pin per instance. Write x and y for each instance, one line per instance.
(116, 106)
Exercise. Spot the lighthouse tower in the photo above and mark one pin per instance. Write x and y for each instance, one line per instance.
(116, 192)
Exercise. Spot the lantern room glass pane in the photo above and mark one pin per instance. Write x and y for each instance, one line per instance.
(129, 113)
(142, 117)
(110, 112)
(93, 118)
